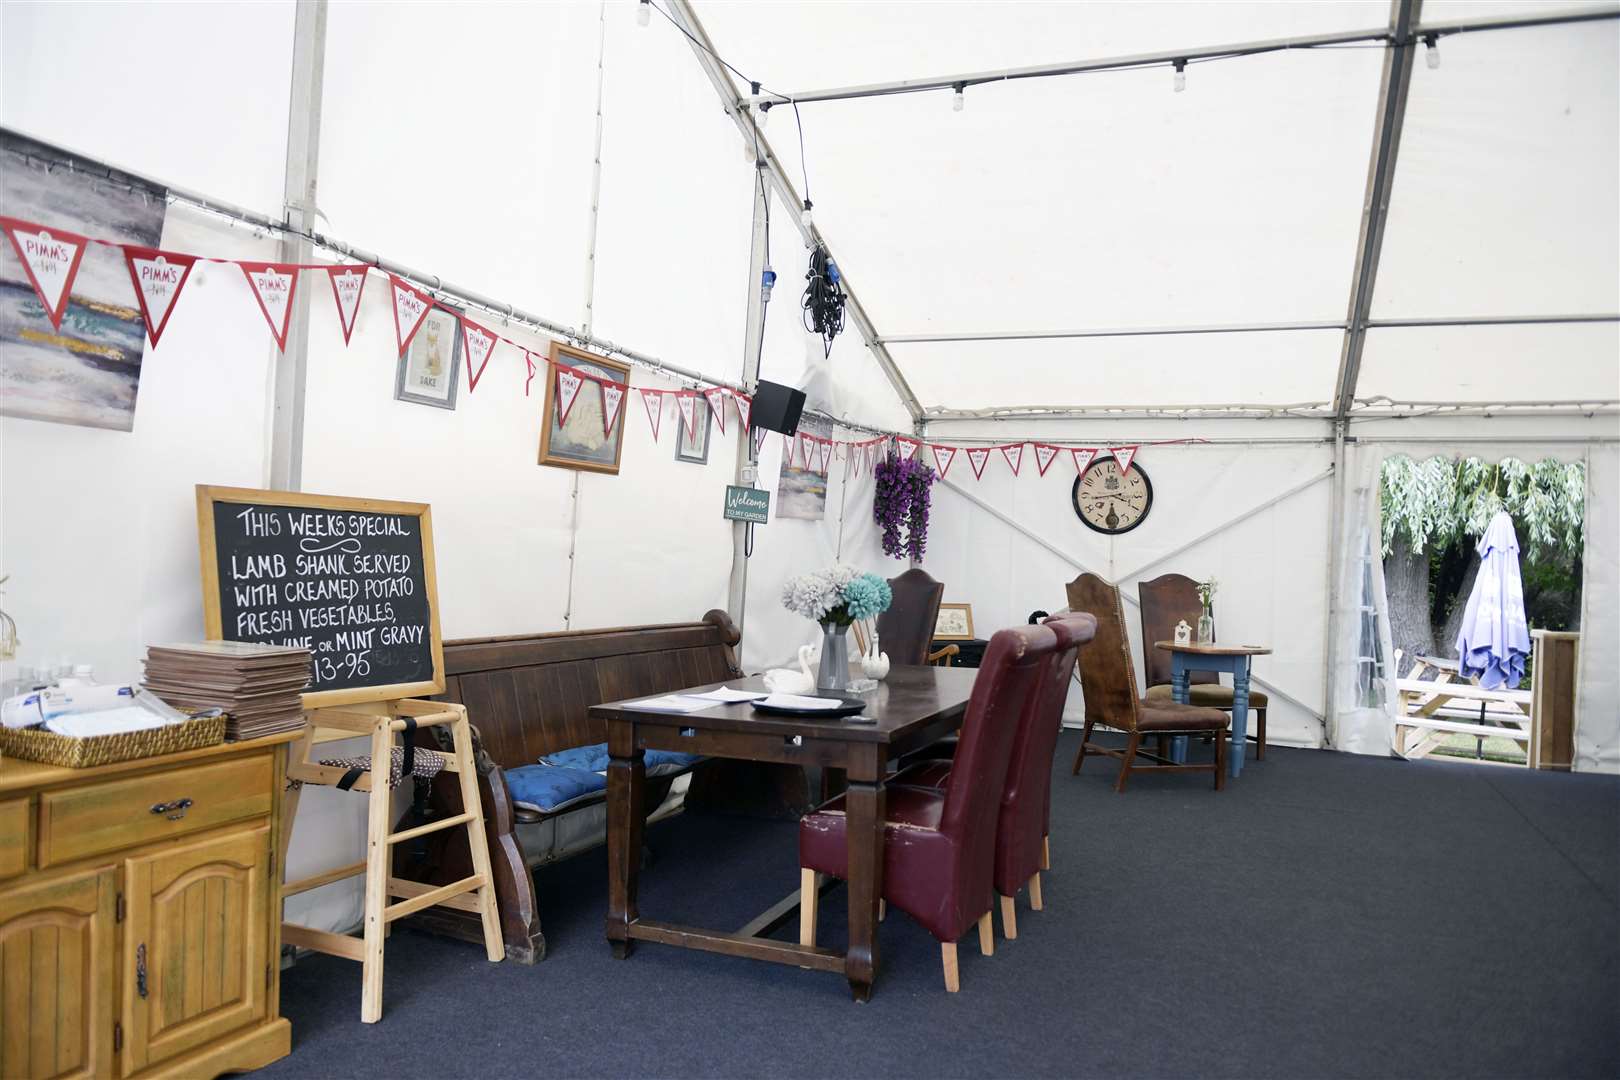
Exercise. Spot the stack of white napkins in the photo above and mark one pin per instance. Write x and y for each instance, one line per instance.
(675, 703)
(800, 701)
(727, 695)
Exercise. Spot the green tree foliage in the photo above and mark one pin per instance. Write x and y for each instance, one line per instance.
(1438, 502)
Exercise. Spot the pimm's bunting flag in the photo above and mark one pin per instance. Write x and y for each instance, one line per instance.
(977, 457)
(1082, 457)
(759, 440)
(653, 402)
(1044, 453)
(158, 276)
(745, 405)
(410, 308)
(825, 446)
(348, 282)
(686, 401)
(1124, 455)
(612, 395)
(716, 397)
(274, 285)
(943, 456)
(480, 344)
(568, 383)
(788, 446)
(1014, 453)
(50, 258)
(908, 448)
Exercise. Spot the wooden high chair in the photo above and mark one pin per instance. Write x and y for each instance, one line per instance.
(380, 721)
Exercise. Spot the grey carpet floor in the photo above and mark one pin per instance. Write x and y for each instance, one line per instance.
(1326, 916)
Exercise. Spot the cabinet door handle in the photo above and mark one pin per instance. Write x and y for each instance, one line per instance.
(140, 969)
(174, 811)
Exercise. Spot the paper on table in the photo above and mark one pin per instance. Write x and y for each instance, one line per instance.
(675, 703)
(106, 722)
(800, 701)
(727, 694)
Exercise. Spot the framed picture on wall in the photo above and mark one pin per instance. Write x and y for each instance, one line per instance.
(693, 445)
(428, 370)
(583, 442)
(954, 623)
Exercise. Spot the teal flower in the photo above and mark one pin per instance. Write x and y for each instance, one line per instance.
(867, 596)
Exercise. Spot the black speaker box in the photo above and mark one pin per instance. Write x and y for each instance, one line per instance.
(776, 408)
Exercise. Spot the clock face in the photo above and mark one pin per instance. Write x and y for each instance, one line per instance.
(1111, 503)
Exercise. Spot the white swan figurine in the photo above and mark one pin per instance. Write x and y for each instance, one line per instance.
(874, 664)
(788, 681)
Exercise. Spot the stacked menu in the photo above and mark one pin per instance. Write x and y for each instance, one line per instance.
(259, 687)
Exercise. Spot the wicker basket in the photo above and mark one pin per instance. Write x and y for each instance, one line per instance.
(36, 744)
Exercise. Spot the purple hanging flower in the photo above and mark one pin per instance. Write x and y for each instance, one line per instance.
(902, 501)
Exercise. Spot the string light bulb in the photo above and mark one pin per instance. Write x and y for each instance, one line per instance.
(644, 13)
(959, 99)
(805, 217)
(1431, 51)
(1181, 76)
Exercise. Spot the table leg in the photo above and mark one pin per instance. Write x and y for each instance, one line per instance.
(1240, 716)
(1179, 692)
(625, 793)
(864, 807)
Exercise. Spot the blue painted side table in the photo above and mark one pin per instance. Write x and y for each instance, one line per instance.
(1230, 658)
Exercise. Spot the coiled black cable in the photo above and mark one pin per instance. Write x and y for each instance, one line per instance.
(823, 302)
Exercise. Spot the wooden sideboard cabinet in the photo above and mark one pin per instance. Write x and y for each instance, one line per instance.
(140, 921)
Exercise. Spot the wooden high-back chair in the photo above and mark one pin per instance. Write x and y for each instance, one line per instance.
(1108, 679)
(906, 630)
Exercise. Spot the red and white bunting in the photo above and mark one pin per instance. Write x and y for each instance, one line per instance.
(943, 456)
(274, 285)
(1082, 457)
(1124, 455)
(745, 406)
(1014, 453)
(825, 446)
(410, 308)
(612, 396)
(158, 276)
(716, 397)
(50, 258)
(1044, 453)
(568, 383)
(908, 447)
(686, 401)
(977, 456)
(528, 360)
(788, 447)
(805, 449)
(480, 345)
(759, 440)
(348, 282)
(653, 402)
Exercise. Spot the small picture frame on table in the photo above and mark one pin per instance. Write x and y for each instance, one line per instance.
(954, 623)
(430, 369)
(584, 441)
(693, 446)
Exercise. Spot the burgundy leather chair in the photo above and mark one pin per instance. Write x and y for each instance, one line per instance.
(1108, 678)
(1022, 848)
(1167, 600)
(939, 845)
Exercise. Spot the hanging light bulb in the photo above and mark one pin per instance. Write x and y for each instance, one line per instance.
(644, 13)
(959, 99)
(1431, 51)
(1181, 75)
(805, 217)
(763, 112)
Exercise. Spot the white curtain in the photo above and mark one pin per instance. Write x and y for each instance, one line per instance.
(1361, 719)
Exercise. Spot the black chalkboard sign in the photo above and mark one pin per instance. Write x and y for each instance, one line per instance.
(349, 579)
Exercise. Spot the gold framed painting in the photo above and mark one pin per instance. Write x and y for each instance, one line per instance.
(583, 442)
(954, 623)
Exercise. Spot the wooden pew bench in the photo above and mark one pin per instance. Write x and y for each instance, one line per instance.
(528, 696)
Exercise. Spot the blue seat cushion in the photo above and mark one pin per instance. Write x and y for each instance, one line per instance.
(552, 788)
(595, 759)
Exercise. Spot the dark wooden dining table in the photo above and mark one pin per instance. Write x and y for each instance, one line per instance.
(909, 710)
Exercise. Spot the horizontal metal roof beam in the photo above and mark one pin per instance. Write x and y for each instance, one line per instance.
(1240, 328)
(1493, 320)
(1207, 52)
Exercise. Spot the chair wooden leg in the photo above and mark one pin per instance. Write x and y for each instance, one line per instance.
(809, 897)
(1046, 853)
(947, 953)
(1260, 730)
(1079, 759)
(1220, 760)
(987, 935)
(1164, 746)
(1009, 919)
(1035, 890)
(1125, 765)
(377, 869)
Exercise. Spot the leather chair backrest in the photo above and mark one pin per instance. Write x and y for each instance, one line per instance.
(906, 630)
(1025, 796)
(1107, 675)
(1167, 600)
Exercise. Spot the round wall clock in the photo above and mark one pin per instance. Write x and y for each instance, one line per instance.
(1111, 503)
